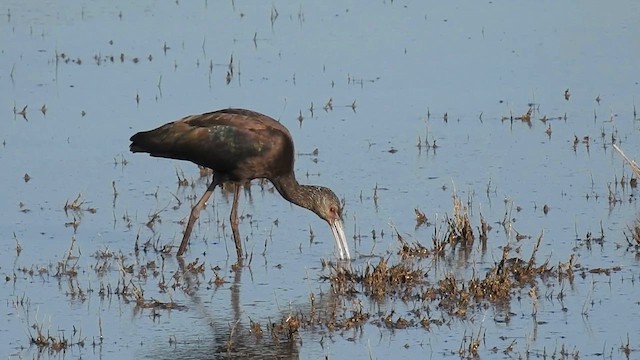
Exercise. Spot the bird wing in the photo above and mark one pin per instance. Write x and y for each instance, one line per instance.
(235, 142)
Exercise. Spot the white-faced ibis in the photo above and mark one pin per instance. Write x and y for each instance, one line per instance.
(240, 145)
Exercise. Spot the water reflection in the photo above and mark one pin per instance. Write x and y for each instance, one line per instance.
(228, 336)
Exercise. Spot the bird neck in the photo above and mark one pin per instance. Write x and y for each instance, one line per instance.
(292, 191)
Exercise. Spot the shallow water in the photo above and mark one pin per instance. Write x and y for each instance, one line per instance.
(390, 71)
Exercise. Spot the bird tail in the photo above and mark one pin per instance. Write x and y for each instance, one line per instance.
(140, 142)
(158, 143)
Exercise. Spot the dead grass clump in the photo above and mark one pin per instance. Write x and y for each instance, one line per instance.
(454, 296)
(158, 305)
(137, 293)
(55, 344)
(255, 329)
(76, 206)
(342, 281)
(357, 319)
(415, 249)
(421, 218)
(378, 282)
(398, 280)
(495, 287)
(68, 266)
(47, 341)
(508, 274)
(460, 230)
(399, 323)
(194, 267)
(285, 330)
(484, 230)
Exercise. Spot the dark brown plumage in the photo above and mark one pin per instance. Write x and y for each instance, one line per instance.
(240, 145)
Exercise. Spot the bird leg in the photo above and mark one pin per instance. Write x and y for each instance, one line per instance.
(195, 214)
(233, 218)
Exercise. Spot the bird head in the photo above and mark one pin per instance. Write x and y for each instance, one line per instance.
(327, 206)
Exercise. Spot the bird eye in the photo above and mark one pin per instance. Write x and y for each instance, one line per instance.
(335, 211)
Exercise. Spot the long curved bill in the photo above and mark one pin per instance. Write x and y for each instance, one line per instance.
(341, 240)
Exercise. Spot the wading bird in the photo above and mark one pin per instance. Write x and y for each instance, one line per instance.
(240, 145)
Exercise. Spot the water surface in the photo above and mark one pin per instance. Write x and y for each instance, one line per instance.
(371, 82)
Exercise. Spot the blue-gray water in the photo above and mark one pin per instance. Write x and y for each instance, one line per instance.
(390, 70)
